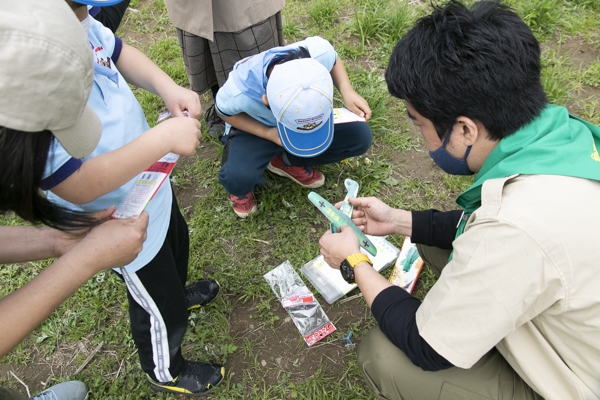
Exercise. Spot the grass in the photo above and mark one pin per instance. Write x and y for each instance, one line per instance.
(324, 13)
(246, 328)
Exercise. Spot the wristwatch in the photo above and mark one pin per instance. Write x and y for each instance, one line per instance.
(347, 266)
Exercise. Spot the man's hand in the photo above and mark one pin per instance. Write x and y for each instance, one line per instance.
(357, 104)
(177, 99)
(374, 217)
(335, 247)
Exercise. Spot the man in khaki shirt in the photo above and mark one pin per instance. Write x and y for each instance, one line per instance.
(515, 313)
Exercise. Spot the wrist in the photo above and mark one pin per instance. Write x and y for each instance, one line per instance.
(160, 138)
(163, 85)
(57, 240)
(42, 242)
(350, 263)
(273, 135)
(79, 264)
(402, 222)
(346, 90)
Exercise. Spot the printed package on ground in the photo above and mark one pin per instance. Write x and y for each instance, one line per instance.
(147, 183)
(408, 267)
(300, 303)
(329, 282)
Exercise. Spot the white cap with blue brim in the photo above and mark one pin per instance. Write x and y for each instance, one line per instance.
(300, 94)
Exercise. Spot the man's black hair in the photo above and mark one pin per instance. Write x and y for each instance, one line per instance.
(482, 63)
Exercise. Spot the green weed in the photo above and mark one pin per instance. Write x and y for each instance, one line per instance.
(542, 16)
(324, 13)
(591, 76)
(559, 77)
(367, 23)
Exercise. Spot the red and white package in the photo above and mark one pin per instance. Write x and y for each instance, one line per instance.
(300, 303)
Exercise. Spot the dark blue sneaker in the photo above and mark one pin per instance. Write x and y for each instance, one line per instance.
(201, 293)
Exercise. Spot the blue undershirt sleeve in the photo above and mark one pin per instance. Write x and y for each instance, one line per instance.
(95, 10)
(61, 174)
(118, 47)
(395, 310)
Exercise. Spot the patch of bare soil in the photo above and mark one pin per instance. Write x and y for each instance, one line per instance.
(34, 375)
(581, 53)
(415, 164)
(41, 368)
(281, 349)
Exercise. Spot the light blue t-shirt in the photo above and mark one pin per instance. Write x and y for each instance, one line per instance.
(122, 121)
(247, 82)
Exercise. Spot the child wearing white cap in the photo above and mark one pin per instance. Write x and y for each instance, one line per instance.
(159, 299)
(278, 105)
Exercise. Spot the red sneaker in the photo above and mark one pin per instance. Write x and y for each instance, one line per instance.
(243, 205)
(304, 176)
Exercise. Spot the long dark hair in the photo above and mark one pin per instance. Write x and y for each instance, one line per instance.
(23, 157)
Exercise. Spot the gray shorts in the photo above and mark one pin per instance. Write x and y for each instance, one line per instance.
(208, 63)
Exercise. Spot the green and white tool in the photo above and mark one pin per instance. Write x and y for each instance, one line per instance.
(352, 192)
(339, 219)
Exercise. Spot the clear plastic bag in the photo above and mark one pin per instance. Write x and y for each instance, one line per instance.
(299, 302)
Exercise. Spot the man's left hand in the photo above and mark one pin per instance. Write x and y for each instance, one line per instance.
(335, 247)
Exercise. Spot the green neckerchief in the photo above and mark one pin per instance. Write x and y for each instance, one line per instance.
(555, 143)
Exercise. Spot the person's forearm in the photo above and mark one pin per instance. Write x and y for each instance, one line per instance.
(369, 281)
(403, 222)
(340, 77)
(140, 71)
(395, 311)
(26, 243)
(24, 310)
(103, 174)
(248, 124)
(112, 244)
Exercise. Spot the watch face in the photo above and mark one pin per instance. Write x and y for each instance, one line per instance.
(347, 271)
(344, 273)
